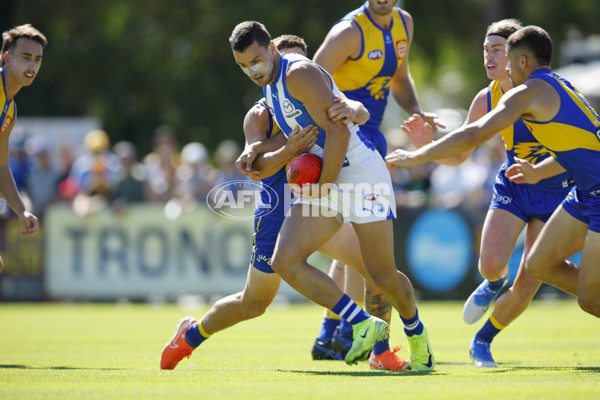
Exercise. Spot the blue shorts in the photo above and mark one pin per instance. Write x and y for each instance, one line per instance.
(266, 229)
(525, 201)
(376, 137)
(585, 207)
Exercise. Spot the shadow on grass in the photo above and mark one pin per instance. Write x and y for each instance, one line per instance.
(503, 368)
(58, 367)
(361, 373)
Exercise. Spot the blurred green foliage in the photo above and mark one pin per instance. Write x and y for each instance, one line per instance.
(138, 64)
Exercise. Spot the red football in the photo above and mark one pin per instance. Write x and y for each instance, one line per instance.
(304, 169)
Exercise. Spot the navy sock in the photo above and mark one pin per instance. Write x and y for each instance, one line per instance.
(496, 285)
(350, 311)
(381, 347)
(489, 330)
(345, 329)
(327, 328)
(413, 326)
(193, 337)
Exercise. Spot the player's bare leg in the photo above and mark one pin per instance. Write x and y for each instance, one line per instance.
(297, 240)
(588, 291)
(561, 237)
(493, 261)
(508, 307)
(377, 248)
(252, 302)
(345, 247)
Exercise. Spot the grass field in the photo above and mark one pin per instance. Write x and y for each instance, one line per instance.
(111, 351)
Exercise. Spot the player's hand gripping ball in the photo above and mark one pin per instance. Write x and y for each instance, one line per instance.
(304, 169)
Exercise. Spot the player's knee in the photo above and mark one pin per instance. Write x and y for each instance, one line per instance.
(491, 266)
(381, 279)
(589, 303)
(283, 262)
(535, 268)
(255, 309)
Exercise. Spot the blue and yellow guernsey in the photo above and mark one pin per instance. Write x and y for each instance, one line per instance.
(271, 200)
(368, 77)
(573, 135)
(8, 107)
(520, 142)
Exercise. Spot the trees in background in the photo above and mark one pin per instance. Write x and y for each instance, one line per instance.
(138, 64)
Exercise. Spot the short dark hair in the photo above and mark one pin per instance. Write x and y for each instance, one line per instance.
(248, 32)
(534, 39)
(289, 42)
(504, 28)
(10, 37)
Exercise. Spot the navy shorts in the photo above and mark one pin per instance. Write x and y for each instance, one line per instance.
(525, 201)
(266, 229)
(585, 207)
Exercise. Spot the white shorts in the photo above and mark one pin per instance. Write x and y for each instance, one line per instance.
(362, 192)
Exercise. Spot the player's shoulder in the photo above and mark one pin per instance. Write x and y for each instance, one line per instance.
(404, 14)
(258, 112)
(407, 19)
(345, 29)
(482, 95)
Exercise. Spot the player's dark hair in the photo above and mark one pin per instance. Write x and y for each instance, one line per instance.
(504, 28)
(284, 42)
(10, 37)
(248, 32)
(534, 39)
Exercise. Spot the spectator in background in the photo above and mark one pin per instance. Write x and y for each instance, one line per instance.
(225, 156)
(160, 166)
(130, 187)
(42, 181)
(193, 178)
(95, 173)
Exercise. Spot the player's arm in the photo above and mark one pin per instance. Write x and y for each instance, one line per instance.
(256, 125)
(298, 142)
(522, 171)
(343, 41)
(8, 188)
(511, 107)
(264, 157)
(422, 137)
(348, 111)
(403, 87)
(308, 84)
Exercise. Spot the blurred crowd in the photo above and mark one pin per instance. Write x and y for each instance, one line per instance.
(115, 176)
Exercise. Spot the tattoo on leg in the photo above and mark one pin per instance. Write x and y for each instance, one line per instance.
(377, 305)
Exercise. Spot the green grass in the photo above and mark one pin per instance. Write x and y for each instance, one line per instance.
(108, 351)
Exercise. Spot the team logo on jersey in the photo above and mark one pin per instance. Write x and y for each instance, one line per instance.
(289, 109)
(598, 134)
(532, 152)
(375, 54)
(401, 48)
(379, 87)
(7, 122)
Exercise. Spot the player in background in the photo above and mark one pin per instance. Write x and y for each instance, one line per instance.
(561, 119)
(264, 136)
(22, 51)
(366, 53)
(512, 207)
